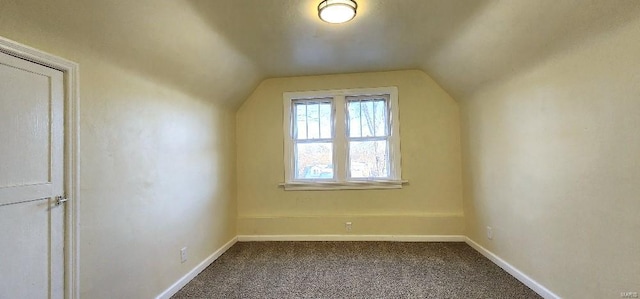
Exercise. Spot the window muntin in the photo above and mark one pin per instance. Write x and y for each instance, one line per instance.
(342, 139)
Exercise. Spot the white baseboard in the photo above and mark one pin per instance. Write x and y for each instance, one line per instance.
(392, 238)
(174, 288)
(528, 281)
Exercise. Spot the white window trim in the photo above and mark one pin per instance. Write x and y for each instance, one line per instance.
(340, 181)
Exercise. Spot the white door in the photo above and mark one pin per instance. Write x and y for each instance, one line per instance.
(31, 177)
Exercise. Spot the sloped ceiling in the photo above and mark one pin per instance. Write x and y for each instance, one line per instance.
(463, 44)
(221, 49)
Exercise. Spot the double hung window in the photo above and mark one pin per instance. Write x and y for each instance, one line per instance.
(342, 139)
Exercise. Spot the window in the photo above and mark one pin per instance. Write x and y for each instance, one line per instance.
(342, 139)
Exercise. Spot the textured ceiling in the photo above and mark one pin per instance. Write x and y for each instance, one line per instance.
(221, 49)
(462, 44)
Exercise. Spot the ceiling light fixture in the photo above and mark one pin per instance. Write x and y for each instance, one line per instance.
(337, 11)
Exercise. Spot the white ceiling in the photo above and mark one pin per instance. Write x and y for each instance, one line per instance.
(221, 49)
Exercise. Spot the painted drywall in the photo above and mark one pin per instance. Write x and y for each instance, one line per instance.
(462, 44)
(157, 135)
(552, 164)
(430, 204)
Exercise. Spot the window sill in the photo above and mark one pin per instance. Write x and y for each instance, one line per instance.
(352, 185)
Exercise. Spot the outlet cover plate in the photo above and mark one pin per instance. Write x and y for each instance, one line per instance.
(183, 254)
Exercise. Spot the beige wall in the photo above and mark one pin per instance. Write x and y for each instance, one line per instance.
(429, 128)
(550, 154)
(552, 163)
(157, 154)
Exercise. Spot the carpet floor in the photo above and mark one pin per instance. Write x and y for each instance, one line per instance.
(353, 270)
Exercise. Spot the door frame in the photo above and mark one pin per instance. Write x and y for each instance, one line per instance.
(71, 155)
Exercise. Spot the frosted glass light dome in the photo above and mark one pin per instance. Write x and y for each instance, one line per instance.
(337, 11)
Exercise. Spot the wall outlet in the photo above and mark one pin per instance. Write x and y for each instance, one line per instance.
(183, 254)
(489, 233)
(347, 226)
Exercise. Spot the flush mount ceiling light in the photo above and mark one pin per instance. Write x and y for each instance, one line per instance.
(337, 11)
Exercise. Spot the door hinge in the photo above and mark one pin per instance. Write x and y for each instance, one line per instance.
(60, 200)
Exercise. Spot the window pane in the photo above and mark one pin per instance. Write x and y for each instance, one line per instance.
(354, 118)
(312, 119)
(369, 159)
(366, 108)
(300, 131)
(380, 117)
(325, 120)
(314, 161)
(368, 118)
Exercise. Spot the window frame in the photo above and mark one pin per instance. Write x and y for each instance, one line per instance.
(295, 141)
(341, 180)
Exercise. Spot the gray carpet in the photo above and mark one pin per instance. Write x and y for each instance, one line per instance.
(353, 270)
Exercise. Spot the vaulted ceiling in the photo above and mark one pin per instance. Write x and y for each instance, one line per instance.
(221, 49)
(462, 44)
